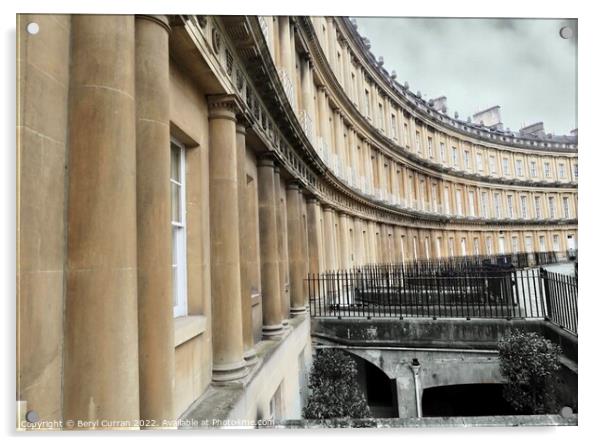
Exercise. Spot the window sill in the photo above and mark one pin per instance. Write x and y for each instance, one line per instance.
(188, 327)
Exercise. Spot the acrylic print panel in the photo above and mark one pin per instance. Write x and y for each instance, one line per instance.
(266, 222)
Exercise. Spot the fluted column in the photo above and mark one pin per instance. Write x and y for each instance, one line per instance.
(101, 312)
(249, 354)
(153, 208)
(295, 249)
(270, 259)
(228, 362)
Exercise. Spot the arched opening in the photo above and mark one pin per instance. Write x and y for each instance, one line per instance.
(380, 391)
(465, 400)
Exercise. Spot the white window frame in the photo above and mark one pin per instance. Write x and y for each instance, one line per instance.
(459, 197)
(497, 204)
(492, 164)
(523, 207)
(519, 167)
(514, 242)
(561, 170)
(552, 207)
(180, 287)
(556, 242)
(537, 205)
(542, 243)
(506, 166)
(471, 204)
(510, 202)
(430, 146)
(533, 169)
(528, 244)
(566, 207)
(485, 204)
(442, 151)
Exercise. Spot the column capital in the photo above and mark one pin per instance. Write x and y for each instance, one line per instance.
(241, 128)
(267, 159)
(293, 185)
(327, 208)
(160, 20)
(224, 106)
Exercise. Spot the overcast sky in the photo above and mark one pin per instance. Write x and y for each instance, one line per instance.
(523, 65)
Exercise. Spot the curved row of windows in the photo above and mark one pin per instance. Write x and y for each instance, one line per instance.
(395, 156)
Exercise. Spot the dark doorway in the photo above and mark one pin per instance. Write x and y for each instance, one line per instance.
(380, 391)
(465, 400)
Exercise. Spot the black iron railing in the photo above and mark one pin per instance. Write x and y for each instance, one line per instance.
(518, 260)
(423, 290)
(561, 299)
(542, 258)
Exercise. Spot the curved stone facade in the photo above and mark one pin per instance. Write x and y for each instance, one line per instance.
(291, 151)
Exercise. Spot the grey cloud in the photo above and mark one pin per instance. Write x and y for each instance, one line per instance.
(523, 65)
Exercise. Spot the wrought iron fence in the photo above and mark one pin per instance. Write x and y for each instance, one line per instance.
(460, 290)
(561, 299)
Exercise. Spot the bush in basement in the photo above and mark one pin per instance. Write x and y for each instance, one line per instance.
(334, 390)
(530, 364)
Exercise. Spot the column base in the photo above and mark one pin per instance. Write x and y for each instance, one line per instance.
(272, 331)
(298, 311)
(229, 372)
(250, 356)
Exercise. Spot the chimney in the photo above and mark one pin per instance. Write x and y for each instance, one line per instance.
(490, 118)
(535, 129)
(440, 104)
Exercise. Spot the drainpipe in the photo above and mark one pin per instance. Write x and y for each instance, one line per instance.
(415, 367)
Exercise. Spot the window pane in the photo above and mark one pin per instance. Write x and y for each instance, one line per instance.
(175, 162)
(175, 203)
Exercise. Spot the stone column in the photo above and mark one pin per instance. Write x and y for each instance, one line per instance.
(153, 208)
(329, 235)
(270, 258)
(313, 228)
(282, 249)
(344, 236)
(308, 97)
(228, 362)
(295, 249)
(324, 120)
(249, 354)
(101, 312)
(332, 38)
(285, 43)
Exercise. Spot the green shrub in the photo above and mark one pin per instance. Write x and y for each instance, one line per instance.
(530, 364)
(334, 392)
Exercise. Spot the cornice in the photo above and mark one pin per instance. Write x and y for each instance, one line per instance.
(250, 46)
(430, 116)
(380, 140)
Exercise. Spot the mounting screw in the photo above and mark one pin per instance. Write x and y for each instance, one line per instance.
(33, 28)
(32, 416)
